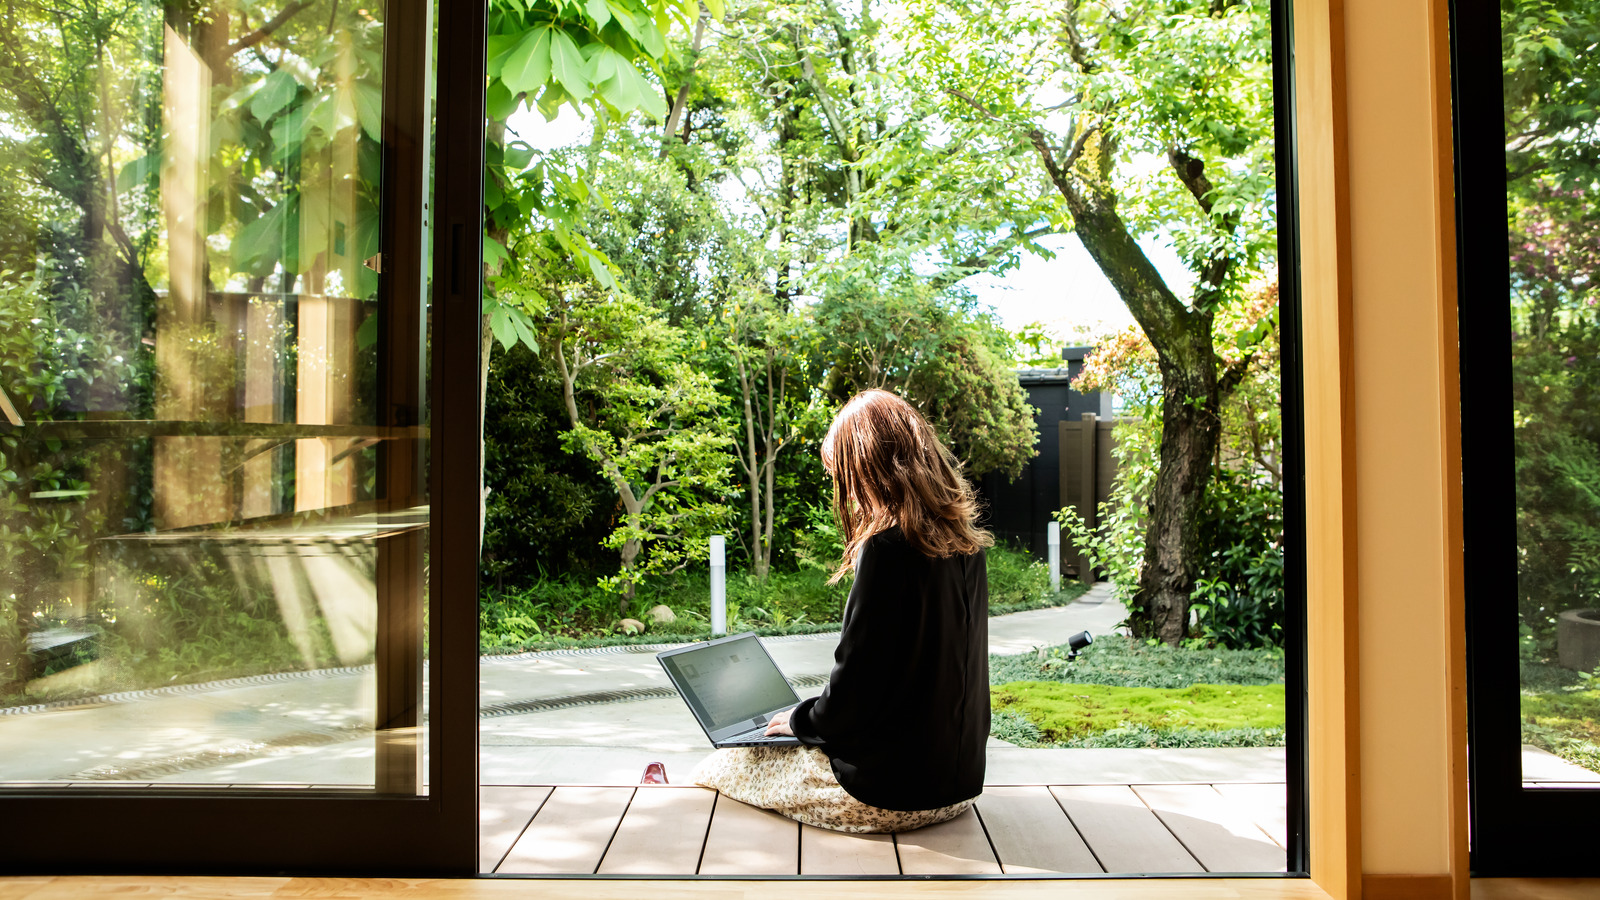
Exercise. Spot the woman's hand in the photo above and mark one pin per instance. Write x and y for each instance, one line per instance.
(780, 723)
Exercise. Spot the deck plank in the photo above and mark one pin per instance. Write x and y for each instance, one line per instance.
(744, 840)
(1123, 833)
(662, 834)
(502, 814)
(1030, 832)
(956, 847)
(1219, 834)
(824, 852)
(570, 834)
(1266, 804)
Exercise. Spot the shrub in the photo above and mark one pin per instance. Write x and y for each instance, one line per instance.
(1238, 598)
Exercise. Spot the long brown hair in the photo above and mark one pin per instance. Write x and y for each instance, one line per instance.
(890, 468)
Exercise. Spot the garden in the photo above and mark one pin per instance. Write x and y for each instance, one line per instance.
(758, 209)
(1553, 160)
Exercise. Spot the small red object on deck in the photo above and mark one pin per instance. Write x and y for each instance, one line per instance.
(655, 773)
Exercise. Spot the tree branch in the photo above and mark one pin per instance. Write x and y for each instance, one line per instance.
(682, 98)
(980, 262)
(266, 30)
(1192, 172)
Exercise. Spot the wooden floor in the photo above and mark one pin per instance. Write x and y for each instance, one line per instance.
(85, 887)
(670, 830)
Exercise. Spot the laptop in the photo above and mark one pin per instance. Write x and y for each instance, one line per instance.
(733, 688)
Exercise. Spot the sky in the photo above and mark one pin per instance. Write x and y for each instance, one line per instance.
(1067, 293)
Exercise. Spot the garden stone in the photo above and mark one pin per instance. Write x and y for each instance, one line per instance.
(662, 615)
(631, 626)
(1578, 639)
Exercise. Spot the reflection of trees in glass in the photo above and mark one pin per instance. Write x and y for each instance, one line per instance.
(1552, 97)
(167, 175)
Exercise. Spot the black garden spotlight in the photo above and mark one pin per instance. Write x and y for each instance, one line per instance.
(1078, 643)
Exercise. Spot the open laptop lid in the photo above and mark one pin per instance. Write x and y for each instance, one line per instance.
(731, 684)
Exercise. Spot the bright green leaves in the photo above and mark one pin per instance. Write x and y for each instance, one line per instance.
(527, 67)
(566, 65)
(650, 420)
(277, 89)
(591, 51)
(369, 108)
(510, 325)
(622, 85)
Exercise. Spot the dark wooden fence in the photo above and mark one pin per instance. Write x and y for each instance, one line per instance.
(1088, 470)
(1018, 510)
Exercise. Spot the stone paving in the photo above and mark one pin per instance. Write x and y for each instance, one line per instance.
(314, 729)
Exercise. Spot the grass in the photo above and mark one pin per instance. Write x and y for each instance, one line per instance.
(1561, 712)
(1063, 711)
(1564, 718)
(573, 612)
(1124, 693)
(1015, 728)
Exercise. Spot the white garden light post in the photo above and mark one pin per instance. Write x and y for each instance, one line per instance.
(1053, 530)
(719, 586)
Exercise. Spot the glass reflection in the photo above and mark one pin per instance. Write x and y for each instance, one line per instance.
(194, 537)
(1553, 145)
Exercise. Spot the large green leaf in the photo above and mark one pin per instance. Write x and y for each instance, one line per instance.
(494, 252)
(276, 90)
(527, 66)
(500, 102)
(499, 48)
(650, 98)
(567, 65)
(139, 171)
(517, 155)
(369, 108)
(259, 244)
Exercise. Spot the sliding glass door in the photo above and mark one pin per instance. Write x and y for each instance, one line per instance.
(1527, 152)
(221, 567)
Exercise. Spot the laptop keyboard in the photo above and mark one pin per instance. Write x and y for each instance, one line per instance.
(754, 734)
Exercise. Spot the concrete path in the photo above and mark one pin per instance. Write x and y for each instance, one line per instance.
(538, 727)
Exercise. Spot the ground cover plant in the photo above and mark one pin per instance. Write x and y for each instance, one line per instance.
(1560, 707)
(566, 611)
(1124, 692)
(1063, 711)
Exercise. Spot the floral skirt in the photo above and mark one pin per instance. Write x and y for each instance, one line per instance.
(798, 782)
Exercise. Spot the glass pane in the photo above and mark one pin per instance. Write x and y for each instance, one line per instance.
(211, 521)
(1551, 142)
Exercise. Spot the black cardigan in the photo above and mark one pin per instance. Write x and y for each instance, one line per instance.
(905, 715)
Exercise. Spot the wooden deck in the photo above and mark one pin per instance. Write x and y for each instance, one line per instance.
(1031, 829)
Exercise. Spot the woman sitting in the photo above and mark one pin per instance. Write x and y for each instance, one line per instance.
(896, 740)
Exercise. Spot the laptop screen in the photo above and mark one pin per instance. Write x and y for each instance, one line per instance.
(729, 682)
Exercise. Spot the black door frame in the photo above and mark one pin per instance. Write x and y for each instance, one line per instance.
(247, 830)
(1515, 831)
(1292, 410)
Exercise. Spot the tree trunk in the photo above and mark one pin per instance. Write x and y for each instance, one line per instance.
(630, 553)
(1190, 435)
(749, 462)
(1190, 399)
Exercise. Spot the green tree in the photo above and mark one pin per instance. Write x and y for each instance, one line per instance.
(1097, 93)
(773, 351)
(596, 57)
(951, 359)
(1552, 106)
(648, 417)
